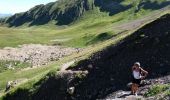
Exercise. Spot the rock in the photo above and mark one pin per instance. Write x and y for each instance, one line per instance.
(145, 82)
(129, 85)
(90, 66)
(71, 90)
(111, 79)
(8, 86)
(132, 97)
(14, 83)
(9, 66)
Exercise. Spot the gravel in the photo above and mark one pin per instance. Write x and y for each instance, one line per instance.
(36, 54)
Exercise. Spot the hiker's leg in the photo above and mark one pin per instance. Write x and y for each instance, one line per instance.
(133, 88)
(137, 88)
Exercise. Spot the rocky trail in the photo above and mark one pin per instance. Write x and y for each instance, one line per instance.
(145, 86)
(36, 54)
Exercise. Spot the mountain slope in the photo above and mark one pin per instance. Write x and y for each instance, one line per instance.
(65, 12)
(109, 70)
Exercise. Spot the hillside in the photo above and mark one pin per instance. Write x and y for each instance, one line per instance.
(148, 45)
(84, 45)
(81, 27)
(64, 12)
(99, 75)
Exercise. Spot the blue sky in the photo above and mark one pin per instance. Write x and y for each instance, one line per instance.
(15, 6)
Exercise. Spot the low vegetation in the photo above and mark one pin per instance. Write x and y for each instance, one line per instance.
(157, 89)
(12, 65)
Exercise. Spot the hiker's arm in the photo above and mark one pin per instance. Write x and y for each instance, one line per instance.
(144, 71)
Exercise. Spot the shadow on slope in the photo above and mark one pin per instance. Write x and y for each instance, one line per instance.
(52, 87)
(110, 69)
(62, 11)
(112, 6)
(152, 5)
(20, 94)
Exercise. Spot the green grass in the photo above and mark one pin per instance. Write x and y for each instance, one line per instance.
(157, 89)
(13, 75)
(15, 65)
(167, 93)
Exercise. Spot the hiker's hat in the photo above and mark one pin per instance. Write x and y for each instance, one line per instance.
(137, 63)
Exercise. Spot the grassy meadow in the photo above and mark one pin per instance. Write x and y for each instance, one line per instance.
(93, 27)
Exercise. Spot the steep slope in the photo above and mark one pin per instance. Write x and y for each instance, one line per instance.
(109, 70)
(65, 12)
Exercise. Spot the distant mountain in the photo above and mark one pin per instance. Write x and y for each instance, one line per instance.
(66, 11)
(4, 15)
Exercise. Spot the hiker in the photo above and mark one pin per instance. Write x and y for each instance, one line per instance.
(138, 75)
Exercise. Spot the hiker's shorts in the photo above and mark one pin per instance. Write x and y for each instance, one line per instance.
(136, 81)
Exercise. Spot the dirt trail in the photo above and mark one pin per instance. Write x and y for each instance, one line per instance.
(137, 23)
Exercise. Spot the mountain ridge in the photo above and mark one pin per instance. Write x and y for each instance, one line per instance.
(42, 14)
(65, 12)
